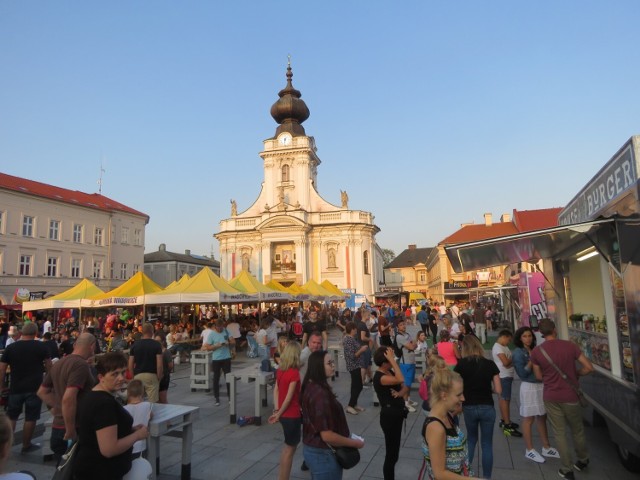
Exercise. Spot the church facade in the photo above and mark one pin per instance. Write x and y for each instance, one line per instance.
(290, 233)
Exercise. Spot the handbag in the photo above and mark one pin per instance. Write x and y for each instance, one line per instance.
(347, 457)
(64, 470)
(581, 398)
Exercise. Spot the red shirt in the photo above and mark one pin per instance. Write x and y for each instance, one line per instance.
(284, 379)
(564, 354)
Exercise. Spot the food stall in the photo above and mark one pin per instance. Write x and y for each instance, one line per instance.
(591, 264)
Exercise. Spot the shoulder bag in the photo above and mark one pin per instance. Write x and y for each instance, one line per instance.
(581, 398)
(64, 470)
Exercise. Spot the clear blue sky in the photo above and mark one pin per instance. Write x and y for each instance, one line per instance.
(428, 113)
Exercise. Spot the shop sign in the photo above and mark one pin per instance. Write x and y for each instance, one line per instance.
(615, 178)
(390, 289)
(460, 285)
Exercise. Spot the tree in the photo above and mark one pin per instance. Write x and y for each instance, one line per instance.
(387, 256)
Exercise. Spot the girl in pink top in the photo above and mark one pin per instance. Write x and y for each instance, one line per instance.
(448, 350)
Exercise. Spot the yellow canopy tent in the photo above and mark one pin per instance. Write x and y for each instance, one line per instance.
(327, 285)
(72, 298)
(204, 287)
(180, 281)
(247, 283)
(132, 292)
(317, 291)
(298, 293)
(276, 285)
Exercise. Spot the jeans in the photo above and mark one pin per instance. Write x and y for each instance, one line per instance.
(391, 421)
(356, 386)
(322, 463)
(217, 366)
(484, 417)
(561, 416)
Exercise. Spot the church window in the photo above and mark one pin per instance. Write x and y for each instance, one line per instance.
(285, 173)
(245, 262)
(365, 262)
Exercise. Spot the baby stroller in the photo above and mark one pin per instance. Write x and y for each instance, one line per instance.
(252, 349)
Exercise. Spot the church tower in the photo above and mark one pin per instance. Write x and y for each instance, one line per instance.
(290, 233)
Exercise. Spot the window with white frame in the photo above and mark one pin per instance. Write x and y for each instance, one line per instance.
(77, 233)
(124, 235)
(54, 229)
(52, 267)
(123, 271)
(76, 268)
(136, 268)
(137, 237)
(2, 222)
(112, 270)
(423, 276)
(98, 236)
(27, 226)
(97, 269)
(24, 268)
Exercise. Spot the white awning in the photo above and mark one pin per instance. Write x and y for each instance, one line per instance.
(521, 247)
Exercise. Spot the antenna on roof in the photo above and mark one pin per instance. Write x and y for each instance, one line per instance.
(102, 170)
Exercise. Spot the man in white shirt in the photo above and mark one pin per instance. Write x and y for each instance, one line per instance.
(46, 326)
(502, 358)
(204, 335)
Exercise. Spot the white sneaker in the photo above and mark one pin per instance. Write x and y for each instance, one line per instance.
(410, 407)
(550, 452)
(351, 410)
(534, 456)
(412, 403)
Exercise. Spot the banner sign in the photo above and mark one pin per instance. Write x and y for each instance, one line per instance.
(460, 285)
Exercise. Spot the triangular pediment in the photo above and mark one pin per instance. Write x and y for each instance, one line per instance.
(283, 221)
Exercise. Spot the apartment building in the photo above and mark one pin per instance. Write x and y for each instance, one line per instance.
(52, 237)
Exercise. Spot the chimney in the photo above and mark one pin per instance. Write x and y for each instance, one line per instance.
(487, 220)
(505, 218)
(187, 252)
(162, 247)
(412, 246)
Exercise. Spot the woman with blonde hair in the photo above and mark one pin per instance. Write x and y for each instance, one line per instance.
(444, 444)
(286, 398)
(434, 363)
(479, 375)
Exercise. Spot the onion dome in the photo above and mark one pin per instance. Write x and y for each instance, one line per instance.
(290, 111)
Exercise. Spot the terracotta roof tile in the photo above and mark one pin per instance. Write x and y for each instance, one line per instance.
(529, 220)
(474, 232)
(410, 257)
(74, 197)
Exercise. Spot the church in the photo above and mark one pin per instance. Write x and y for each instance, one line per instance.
(290, 233)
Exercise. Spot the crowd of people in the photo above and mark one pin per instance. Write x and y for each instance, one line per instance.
(86, 371)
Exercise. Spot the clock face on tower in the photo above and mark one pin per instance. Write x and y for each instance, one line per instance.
(285, 139)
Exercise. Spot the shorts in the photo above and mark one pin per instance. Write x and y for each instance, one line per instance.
(365, 359)
(292, 429)
(506, 383)
(164, 383)
(32, 406)
(408, 372)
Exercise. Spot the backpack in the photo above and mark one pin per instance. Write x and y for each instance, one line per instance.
(397, 350)
(297, 330)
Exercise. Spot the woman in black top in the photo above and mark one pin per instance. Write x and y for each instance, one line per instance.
(479, 375)
(388, 382)
(105, 434)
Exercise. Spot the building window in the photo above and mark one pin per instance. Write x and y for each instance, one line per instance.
(76, 268)
(123, 271)
(52, 267)
(27, 226)
(136, 268)
(1, 222)
(112, 270)
(124, 235)
(97, 269)
(25, 265)
(77, 233)
(54, 229)
(285, 173)
(98, 236)
(423, 277)
(365, 262)
(137, 237)
(112, 238)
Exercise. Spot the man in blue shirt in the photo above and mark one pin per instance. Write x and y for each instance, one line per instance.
(423, 319)
(218, 343)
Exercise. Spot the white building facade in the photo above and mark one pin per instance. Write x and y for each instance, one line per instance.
(290, 233)
(51, 238)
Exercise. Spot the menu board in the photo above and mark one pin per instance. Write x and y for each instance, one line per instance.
(622, 325)
(595, 346)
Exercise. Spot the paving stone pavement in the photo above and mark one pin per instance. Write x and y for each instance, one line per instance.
(226, 452)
